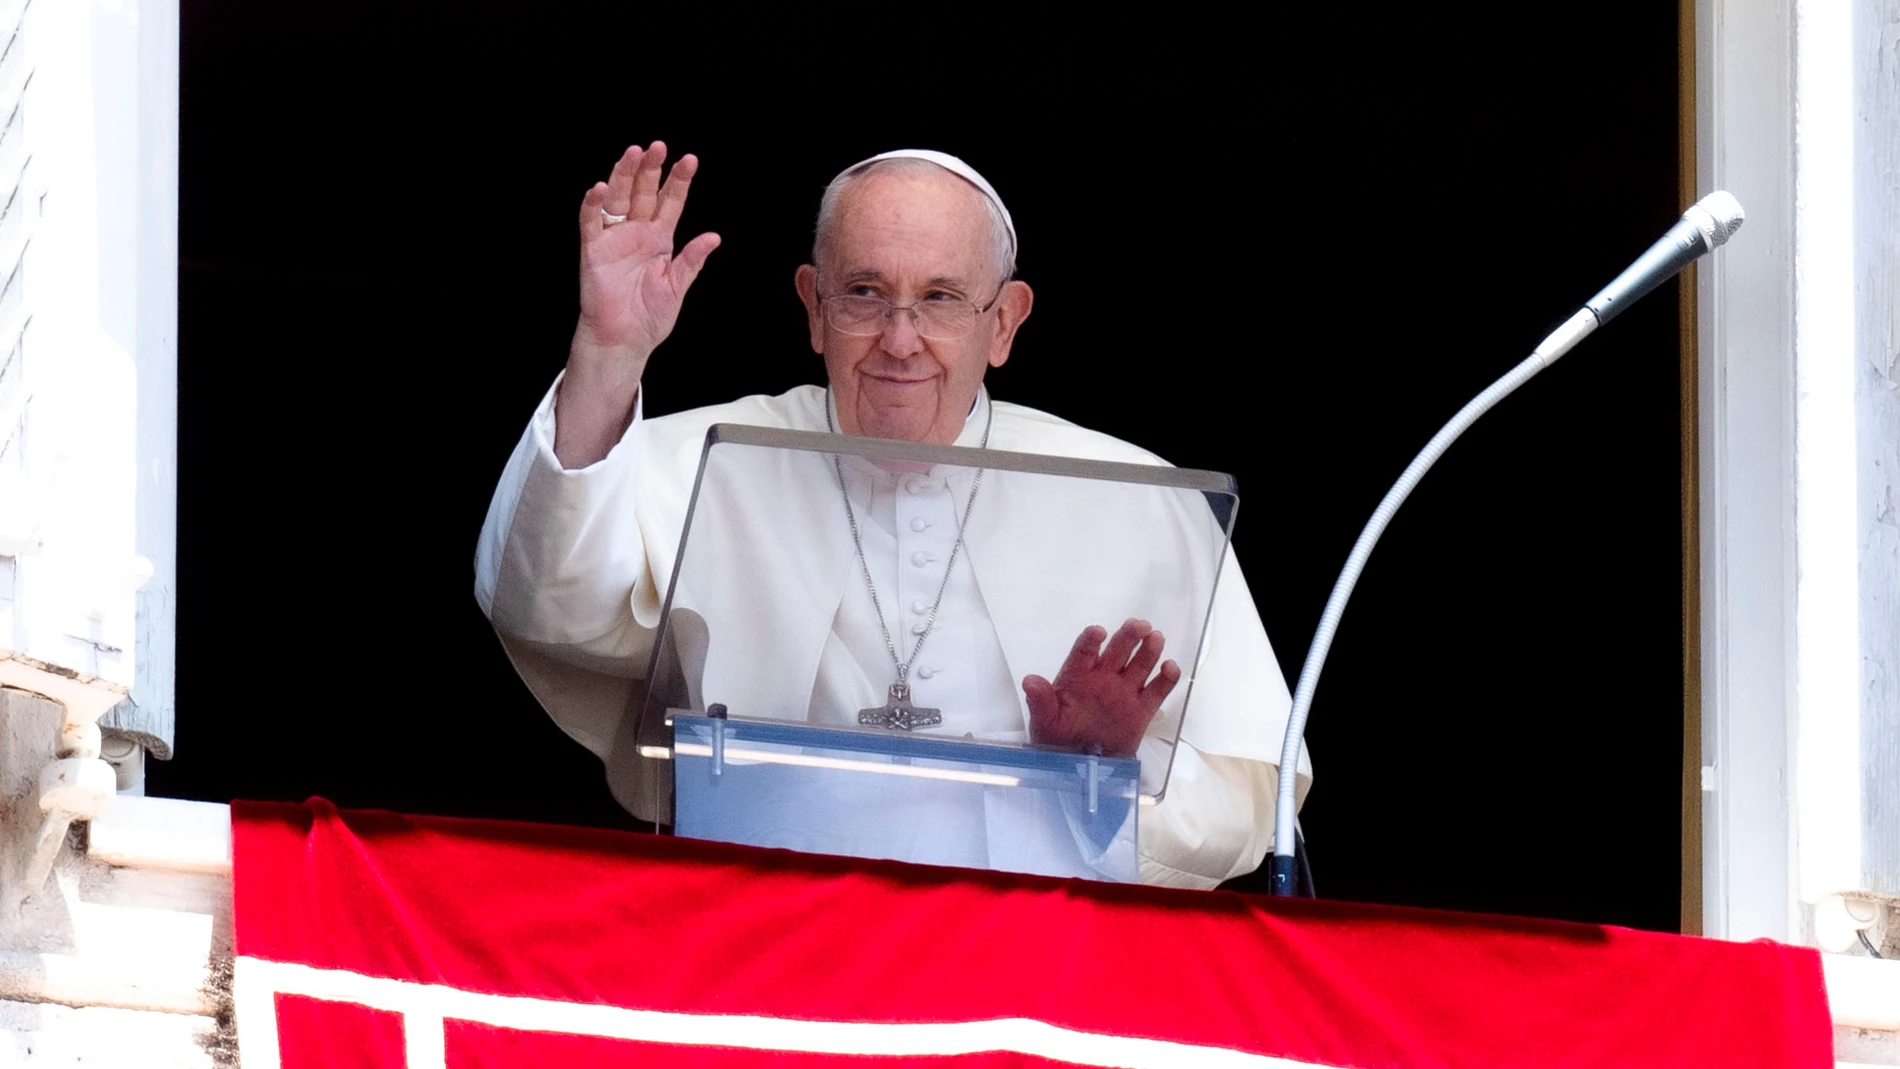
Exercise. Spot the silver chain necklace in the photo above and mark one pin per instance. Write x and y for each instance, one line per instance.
(898, 712)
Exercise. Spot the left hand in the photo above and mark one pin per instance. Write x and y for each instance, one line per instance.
(1102, 696)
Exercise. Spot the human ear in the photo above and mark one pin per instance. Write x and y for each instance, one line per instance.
(806, 281)
(1012, 307)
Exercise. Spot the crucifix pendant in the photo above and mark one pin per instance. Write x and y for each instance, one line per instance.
(899, 713)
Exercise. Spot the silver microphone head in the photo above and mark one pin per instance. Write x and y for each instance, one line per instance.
(1718, 216)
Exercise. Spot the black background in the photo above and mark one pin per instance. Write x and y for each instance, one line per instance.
(1287, 245)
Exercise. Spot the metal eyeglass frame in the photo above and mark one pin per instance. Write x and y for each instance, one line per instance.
(916, 320)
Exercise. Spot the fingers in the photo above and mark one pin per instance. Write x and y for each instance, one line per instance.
(620, 183)
(1127, 639)
(591, 222)
(1145, 657)
(1161, 685)
(1040, 695)
(634, 189)
(646, 182)
(673, 194)
(1083, 656)
(686, 266)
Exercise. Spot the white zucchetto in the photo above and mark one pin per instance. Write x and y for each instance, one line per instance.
(954, 166)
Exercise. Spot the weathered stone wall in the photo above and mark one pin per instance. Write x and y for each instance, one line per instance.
(121, 955)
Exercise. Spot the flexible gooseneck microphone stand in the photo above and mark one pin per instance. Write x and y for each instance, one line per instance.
(1704, 227)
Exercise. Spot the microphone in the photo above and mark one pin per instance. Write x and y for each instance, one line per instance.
(1702, 229)
(1707, 224)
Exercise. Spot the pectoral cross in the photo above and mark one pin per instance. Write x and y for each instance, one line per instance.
(899, 713)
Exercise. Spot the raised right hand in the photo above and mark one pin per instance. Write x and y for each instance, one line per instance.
(632, 285)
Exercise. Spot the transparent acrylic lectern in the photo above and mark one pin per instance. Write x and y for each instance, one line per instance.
(788, 612)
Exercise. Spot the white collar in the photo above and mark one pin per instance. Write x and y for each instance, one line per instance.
(970, 436)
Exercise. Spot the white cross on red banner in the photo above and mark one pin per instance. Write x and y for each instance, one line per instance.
(377, 941)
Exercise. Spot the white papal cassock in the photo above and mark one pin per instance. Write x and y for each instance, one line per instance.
(572, 569)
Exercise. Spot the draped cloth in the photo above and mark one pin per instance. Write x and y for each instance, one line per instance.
(378, 941)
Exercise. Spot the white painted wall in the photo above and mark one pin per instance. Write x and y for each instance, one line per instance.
(1876, 281)
(156, 355)
(1798, 114)
(1745, 298)
(88, 382)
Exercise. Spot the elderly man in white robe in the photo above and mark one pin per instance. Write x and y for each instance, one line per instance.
(910, 299)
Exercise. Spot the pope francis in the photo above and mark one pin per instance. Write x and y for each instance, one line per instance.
(910, 299)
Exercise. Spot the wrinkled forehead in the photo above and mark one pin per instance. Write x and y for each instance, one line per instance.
(889, 220)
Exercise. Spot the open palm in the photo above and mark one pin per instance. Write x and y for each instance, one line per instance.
(1103, 697)
(632, 283)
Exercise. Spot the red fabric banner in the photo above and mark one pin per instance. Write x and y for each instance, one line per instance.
(367, 940)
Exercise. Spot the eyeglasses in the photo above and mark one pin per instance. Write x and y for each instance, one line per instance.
(938, 317)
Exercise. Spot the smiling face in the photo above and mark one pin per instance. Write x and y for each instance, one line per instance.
(910, 237)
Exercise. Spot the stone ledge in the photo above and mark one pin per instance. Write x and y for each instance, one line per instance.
(99, 980)
(163, 833)
(55, 1037)
(1863, 993)
(1862, 1048)
(85, 697)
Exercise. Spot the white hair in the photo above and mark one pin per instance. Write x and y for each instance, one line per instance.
(1002, 239)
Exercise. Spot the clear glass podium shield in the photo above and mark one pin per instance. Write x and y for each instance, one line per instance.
(840, 665)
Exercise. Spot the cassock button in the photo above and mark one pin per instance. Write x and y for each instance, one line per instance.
(926, 672)
(921, 559)
(918, 629)
(914, 485)
(919, 606)
(919, 524)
